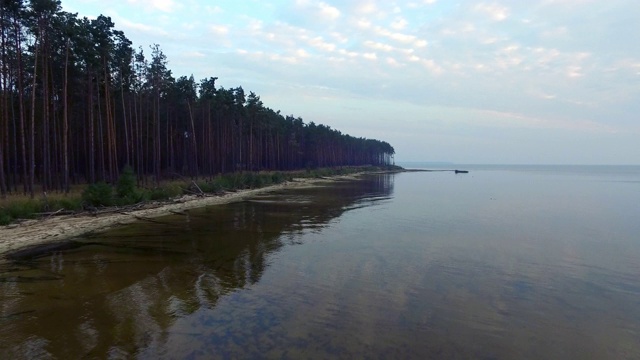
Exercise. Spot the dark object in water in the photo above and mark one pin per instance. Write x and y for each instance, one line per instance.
(461, 171)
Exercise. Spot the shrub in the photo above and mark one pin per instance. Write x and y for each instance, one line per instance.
(5, 219)
(20, 209)
(277, 177)
(266, 179)
(210, 187)
(98, 194)
(163, 193)
(126, 190)
(237, 181)
(67, 203)
(223, 182)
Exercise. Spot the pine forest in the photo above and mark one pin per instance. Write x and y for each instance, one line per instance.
(78, 103)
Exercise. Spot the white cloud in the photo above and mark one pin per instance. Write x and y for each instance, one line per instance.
(367, 7)
(319, 43)
(514, 119)
(370, 56)
(340, 38)
(574, 71)
(421, 43)
(378, 46)
(364, 23)
(399, 24)
(162, 5)
(328, 12)
(432, 66)
(302, 53)
(196, 54)
(531, 62)
(219, 29)
(494, 11)
(393, 62)
(213, 10)
(351, 54)
(140, 27)
(322, 10)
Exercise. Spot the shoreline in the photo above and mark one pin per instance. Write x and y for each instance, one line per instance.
(57, 229)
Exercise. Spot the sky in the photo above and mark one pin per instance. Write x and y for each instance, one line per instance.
(495, 82)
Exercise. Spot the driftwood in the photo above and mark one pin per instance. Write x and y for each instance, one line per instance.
(61, 211)
(197, 187)
(199, 193)
(143, 218)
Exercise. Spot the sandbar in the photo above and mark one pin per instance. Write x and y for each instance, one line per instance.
(54, 229)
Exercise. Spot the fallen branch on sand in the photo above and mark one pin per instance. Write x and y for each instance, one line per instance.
(61, 226)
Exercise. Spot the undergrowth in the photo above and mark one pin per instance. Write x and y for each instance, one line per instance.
(125, 192)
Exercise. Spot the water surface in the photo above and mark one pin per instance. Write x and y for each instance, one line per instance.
(500, 263)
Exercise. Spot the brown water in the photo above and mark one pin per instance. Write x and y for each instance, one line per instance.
(496, 264)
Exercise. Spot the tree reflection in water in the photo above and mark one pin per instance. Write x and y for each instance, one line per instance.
(116, 294)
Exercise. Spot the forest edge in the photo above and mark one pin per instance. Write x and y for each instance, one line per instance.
(26, 236)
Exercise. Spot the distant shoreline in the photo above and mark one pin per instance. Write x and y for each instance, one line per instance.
(19, 238)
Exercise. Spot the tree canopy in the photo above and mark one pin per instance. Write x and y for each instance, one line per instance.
(78, 103)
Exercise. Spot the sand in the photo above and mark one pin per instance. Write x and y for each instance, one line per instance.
(59, 228)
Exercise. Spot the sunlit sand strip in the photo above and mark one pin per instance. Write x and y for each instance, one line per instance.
(56, 229)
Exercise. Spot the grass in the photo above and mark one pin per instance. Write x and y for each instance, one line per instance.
(19, 206)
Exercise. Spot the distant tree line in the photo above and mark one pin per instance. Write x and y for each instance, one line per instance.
(78, 103)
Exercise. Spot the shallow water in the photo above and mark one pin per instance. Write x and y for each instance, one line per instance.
(500, 263)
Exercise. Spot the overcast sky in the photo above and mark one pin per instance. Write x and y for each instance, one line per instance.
(534, 82)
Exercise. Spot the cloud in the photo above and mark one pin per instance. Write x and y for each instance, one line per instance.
(213, 10)
(319, 43)
(512, 119)
(432, 66)
(393, 62)
(328, 12)
(370, 56)
(552, 65)
(139, 27)
(366, 7)
(399, 24)
(219, 29)
(167, 6)
(196, 54)
(494, 11)
(378, 46)
(317, 10)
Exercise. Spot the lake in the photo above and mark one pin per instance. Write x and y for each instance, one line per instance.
(505, 262)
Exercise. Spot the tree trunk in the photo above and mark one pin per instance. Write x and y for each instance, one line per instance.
(193, 137)
(32, 151)
(23, 138)
(65, 122)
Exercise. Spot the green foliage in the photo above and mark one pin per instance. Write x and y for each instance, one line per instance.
(157, 193)
(210, 187)
(22, 209)
(239, 181)
(277, 177)
(223, 182)
(67, 203)
(98, 194)
(5, 219)
(126, 190)
(14, 209)
(253, 180)
(164, 192)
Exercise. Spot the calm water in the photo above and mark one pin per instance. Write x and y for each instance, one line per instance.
(501, 263)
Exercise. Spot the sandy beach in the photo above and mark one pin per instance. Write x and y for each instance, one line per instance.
(58, 228)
